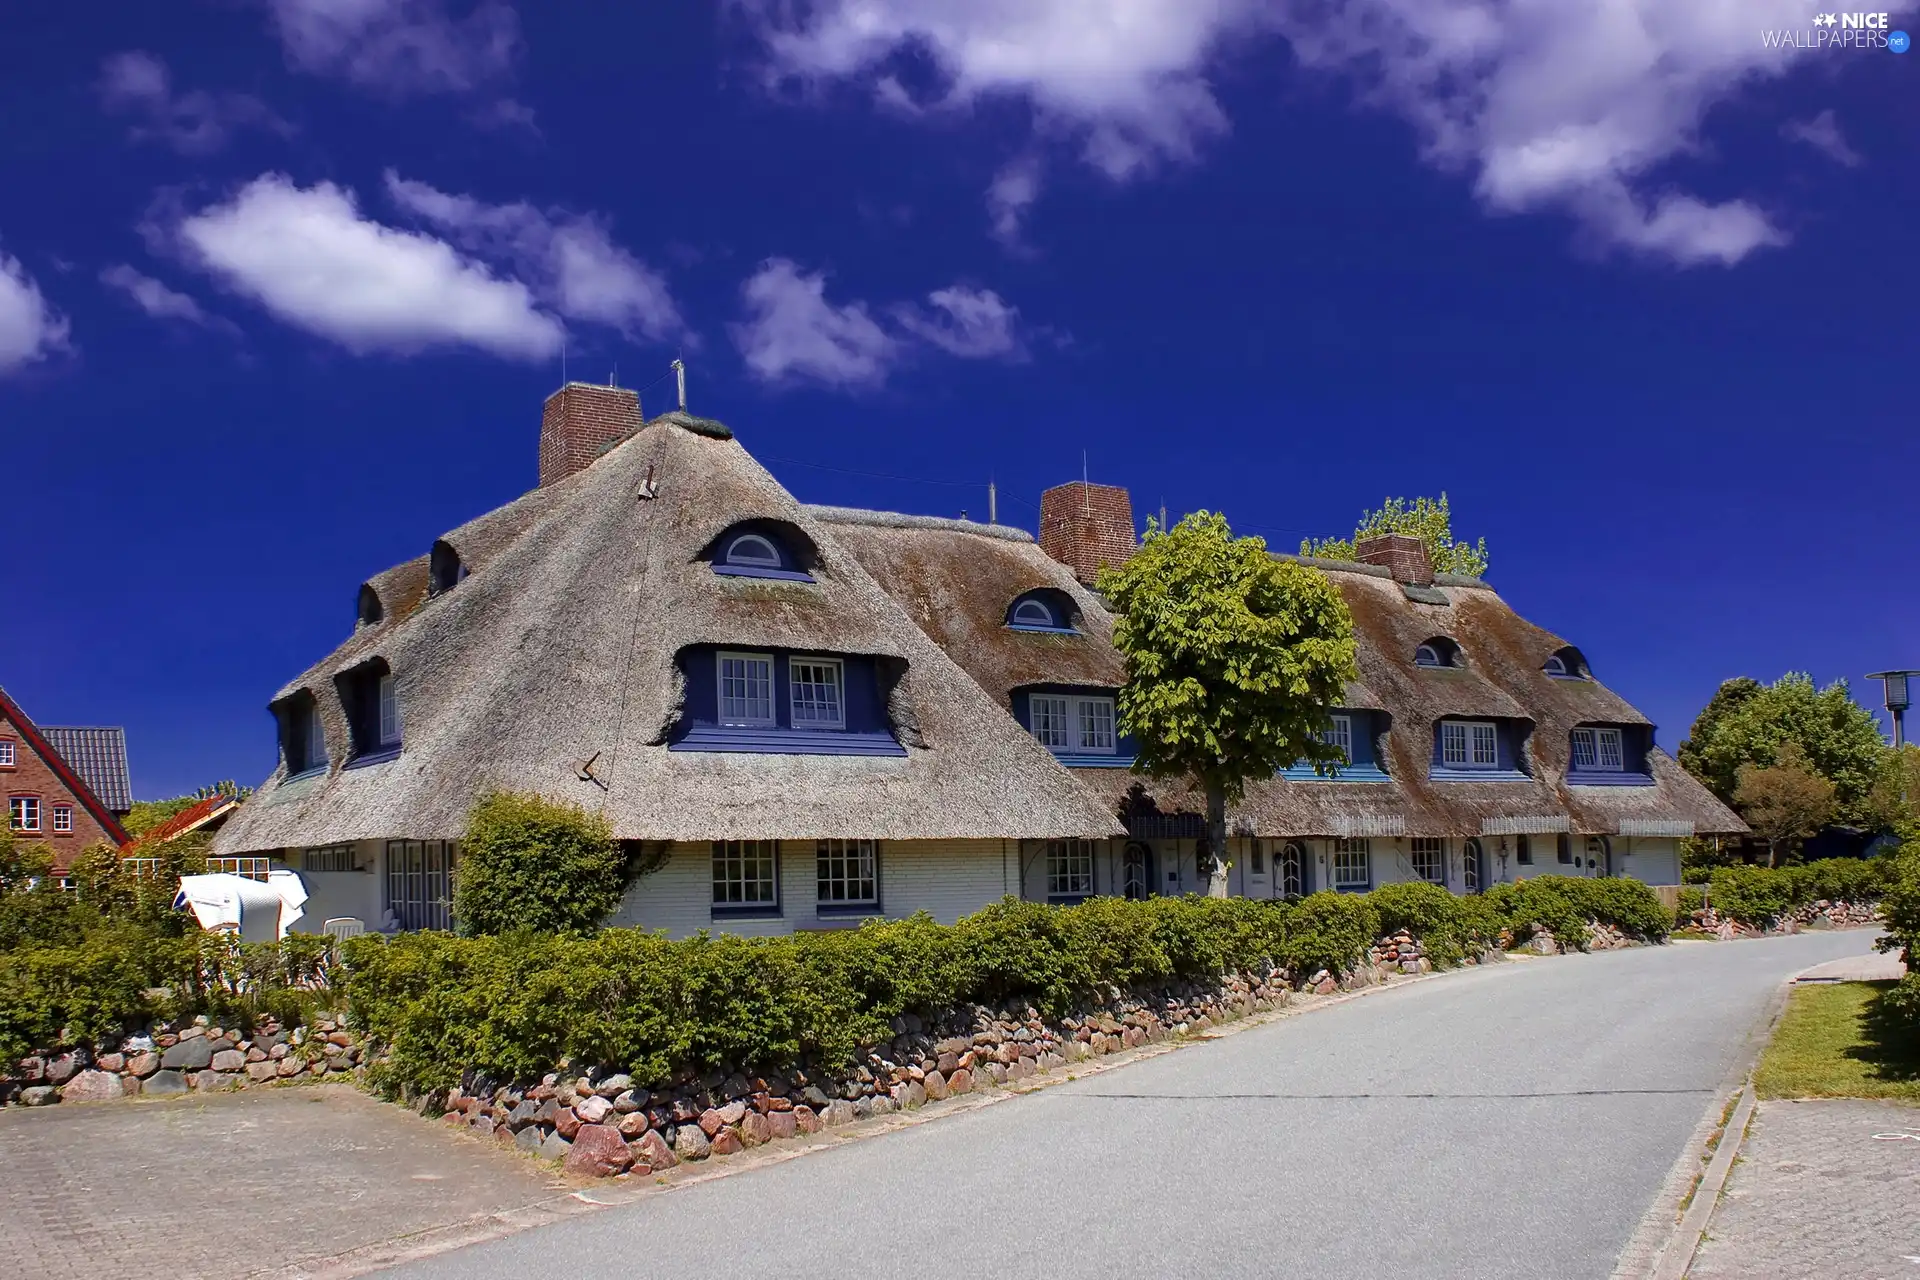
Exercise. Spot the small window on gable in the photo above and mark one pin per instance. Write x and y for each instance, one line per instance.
(1033, 613)
(1567, 664)
(303, 738)
(370, 611)
(1437, 652)
(760, 550)
(6, 753)
(753, 551)
(372, 703)
(444, 568)
(1042, 610)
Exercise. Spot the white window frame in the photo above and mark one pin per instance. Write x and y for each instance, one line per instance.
(838, 685)
(1053, 729)
(1290, 869)
(328, 859)
(387, 711)
(1469, 736)
(1341, 864)
(250, 868)
(1046, 618)
(1432, 658)
(1605, 750)
(1079, 719)
(766, 559)
(1428, 857)
(1555, 665)
(745, 719)
(420, 883)
(63, 819)
(23, 814)
(1069, 869)
(6, 753)
(1339, 733)
(142, 868)
(316, 744)
(746, 876)
(847, 873)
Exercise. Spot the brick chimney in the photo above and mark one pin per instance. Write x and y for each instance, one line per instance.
(1087, 527)
(1403, 556)
(578, 421)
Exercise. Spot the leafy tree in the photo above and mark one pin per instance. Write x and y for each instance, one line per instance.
(1784, 802)
(530, 863)
(1748, 723)
(1425, 519)
(1233, 658)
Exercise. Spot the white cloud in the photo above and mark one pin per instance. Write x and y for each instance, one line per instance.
(308, 256)
(793, 333)
(973, 324)
(153, 297)
(570, 259)
(30, 329)
(400, 48)
(1568, 105)
(196, 123)
(1012, 193)
(1822, 133)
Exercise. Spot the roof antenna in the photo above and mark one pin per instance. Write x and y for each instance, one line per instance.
(993, 502)
(1086, 498)
(563, 359)
(680, 381)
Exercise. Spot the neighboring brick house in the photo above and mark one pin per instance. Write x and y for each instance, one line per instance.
(48, 799)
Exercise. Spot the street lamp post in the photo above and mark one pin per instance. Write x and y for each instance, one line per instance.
(1894, 683)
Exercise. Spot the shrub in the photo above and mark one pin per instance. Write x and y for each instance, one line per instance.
(1446, 923)
(1759, 896)
(1563, 905)
(1691, 900)
(1327, 930)
(1752, 895)
(531, 863)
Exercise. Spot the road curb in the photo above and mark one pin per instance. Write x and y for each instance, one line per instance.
(1668, 1237)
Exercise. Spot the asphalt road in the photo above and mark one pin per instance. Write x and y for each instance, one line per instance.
(1516, 1120)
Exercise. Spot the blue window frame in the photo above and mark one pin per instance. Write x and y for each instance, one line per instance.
(1042, 610)
(757, 553)
(1437, 651)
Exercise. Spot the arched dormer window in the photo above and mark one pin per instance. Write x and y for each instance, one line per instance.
(370, 611)
(444, 568)
(303, 739)
(370, 696)
(1045, 609)
(1567, 664)
(1438, 651)
(763, 549)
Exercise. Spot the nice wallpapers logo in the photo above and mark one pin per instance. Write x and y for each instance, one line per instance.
(1836, 31)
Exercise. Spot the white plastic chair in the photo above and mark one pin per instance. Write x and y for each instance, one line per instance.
(344, 927)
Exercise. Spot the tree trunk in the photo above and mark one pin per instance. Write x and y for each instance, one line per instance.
(1217, 838)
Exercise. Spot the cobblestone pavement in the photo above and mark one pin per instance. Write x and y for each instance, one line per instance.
(237, 1184)
(1813, 1194)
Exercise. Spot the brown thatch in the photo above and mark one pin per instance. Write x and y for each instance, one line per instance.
(560, 647)
(956, 580)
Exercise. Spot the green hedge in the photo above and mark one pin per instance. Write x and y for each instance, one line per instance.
(1758, 896)
(512, 1007)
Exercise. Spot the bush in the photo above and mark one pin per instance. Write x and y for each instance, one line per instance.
(1691, 900)
(1447, 924)
(1759, 896)
(531, 863)
(1563, 905)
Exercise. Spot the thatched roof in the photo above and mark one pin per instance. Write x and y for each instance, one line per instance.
(957, 579)
(560, 647)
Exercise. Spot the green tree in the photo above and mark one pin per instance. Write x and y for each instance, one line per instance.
(1748, 723)
(1784, 802)
(1233, 658)
(1423, 518)
(531, 863)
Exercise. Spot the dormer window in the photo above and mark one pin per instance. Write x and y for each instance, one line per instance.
(762, 549)
(776, 702)
(1598, 750)
(1339, 733)
(746, 689)
(1469, 744)
(371, 699)
(1046, 609)
(444, 568)
(1567, 664)
(816, 684)
(303, 739)
(370, 611)
(1437, 652)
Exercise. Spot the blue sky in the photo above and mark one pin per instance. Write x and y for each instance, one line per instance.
(284, 282)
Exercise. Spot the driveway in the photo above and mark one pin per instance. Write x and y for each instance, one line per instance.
(243, 1184)
(1517, 1120)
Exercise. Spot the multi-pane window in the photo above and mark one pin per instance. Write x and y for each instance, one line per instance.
(746, 874)
(251, 868)
(389, 713)
(1339, 733)
(1033, 613)
(1289, 867)
(1469, 744)
(746, 688)
(6, 753)
(848, 872)
(1598, 749)
(1429, 856)
(1067, 724)
(817, 703)
(328, 857)
(1352, 864)
(142, 868)
(63, 819)
(1069, 868)
(1472, 867)
(23, 813)
(420, 883)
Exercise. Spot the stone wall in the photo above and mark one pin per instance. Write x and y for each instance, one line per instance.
(1820, 914)
(198, 1056)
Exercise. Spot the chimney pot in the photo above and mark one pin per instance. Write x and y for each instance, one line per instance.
(1400, 554)
(579, 420)
(1087, 527)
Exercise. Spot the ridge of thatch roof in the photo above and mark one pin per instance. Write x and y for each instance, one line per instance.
(561, 645)
(900, 520)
